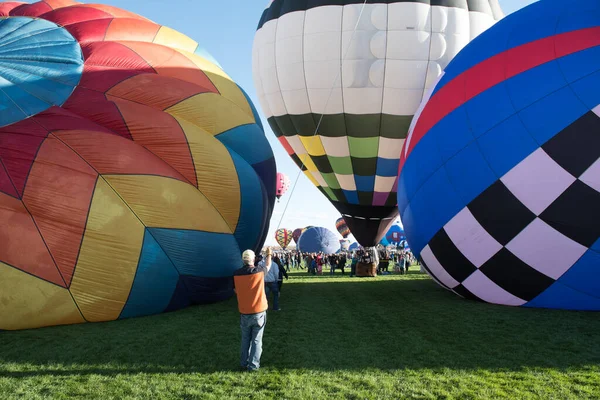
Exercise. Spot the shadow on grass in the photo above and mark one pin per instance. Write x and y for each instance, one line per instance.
(392, 323)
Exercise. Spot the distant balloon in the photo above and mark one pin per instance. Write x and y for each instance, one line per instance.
(316, 240)
(342, 228)
(354, 246)
(362, 89)
(283, 237)
(296, 234)
(395, 235)
(344, 244)
(283, 184)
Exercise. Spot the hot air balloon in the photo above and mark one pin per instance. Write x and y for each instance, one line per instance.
(395, 235)
(342, 228)
(500, 183)
(359, 88)
(317, 240)
(283, 237)
(128, 159)
(283, 184)
(296, 234)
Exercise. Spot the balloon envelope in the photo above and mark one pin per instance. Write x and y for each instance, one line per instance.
(395, 235)
(342, 228)
(283, 237)
(361, 89)
(504, 205)
(316, 240)
(128, 160)
(296, 234)
(283, 184)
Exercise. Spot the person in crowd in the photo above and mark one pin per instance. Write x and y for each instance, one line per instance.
(252, 305)
(353, 263)
(333, 261)
(341, 262)
(271, 285)
(282, 273)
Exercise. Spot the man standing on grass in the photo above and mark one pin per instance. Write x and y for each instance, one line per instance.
(252, 303)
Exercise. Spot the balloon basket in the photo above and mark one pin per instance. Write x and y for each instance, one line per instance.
(366, 270)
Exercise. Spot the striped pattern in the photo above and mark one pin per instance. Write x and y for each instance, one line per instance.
(129, 158)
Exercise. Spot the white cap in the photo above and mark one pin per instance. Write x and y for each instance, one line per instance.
(248, 257)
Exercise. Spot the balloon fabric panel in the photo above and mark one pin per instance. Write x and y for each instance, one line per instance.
(132, 133)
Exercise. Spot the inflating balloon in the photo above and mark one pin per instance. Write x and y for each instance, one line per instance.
(342, 228)
(283, 237)
(319, 240)
(395, 235)
(500, 181)
(283, 184)
(128, 160)
(341, 101)
(296, 234)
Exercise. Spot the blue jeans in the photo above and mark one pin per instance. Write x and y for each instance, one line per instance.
(273, 287)
(253, 327)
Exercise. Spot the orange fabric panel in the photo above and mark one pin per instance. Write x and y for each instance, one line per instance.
(112, 154)
(250, 291)
(169, 62)
(58, 194)
(21, 245)
(160, 133)
(131, 29)
(116, 12)
(60, 3)
(154, 90)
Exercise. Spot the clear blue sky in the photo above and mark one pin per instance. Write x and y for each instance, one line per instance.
(226, 29)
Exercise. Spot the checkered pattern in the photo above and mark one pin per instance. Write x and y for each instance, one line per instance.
(524, 232)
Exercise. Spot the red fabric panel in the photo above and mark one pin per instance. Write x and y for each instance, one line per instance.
(101, 78)
(19, 144)
(95, 107)
(57, 118)
(31, 10)
(6, 8)
(89, 31)
(160, 133)
(154, 90)
(111, 154)
(131, 29)
(72, 15)
(54, 4)
(169, 62)
(286, 145)
(21, 244)
(6, 185)
(58, 196)
(116, 12)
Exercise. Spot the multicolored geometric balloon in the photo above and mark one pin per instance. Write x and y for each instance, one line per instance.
(499, 187)
(283, 237)
(296, 234)
(128, 159)
(283, 184)
(342, 228)
(341, 101)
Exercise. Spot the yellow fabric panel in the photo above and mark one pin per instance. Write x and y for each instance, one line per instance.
(311, 178)
(108, 257)
(211, 112)
(216, 172)
(313, 145)
(308, 162)
(224, 84)
(28, 302)
(175, 40)
(168, 203)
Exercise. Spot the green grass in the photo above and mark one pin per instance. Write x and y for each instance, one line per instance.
(336, 338)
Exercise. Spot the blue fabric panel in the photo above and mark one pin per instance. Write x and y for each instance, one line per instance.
(388, 167)
(208, 290)
(267, 172)
(581, 16)
(193, 252)
(588, 89)
(578, 65)
(534, 84)
(452, 133)
(422, 162)
(552, 114)
(154, 283)
(596, 246)
(248, 141)
(351, 196)
(402, 194)
(559, 296)
(252, 214)
(433, 206)
(584, 276)
(469, 173)
(364, 183)
(506, 145)
(180, 298)
(316, 240)
(488, 109)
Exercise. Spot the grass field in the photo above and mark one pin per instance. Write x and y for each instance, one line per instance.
(336, 338)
